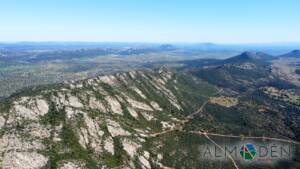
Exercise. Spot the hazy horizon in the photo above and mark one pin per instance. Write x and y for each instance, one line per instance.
(158, 42)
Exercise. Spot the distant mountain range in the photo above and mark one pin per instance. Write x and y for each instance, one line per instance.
(273, 48)
(262, 56)
(294, 53)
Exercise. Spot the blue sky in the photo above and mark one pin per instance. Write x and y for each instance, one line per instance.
(220, 21)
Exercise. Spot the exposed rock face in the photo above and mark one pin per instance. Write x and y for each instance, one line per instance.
(74, 102)
(138, 91)
(63, 99)
(12, 142)
(23, 160)
(95, 104)
(109, 145)
(95, 133)
(156, 106)
(71, 112)
(147, 116)
(132, 74)
(167, 125)
(111, 80)
(138, 105)
(29, 108)
(159, 84)
(39, 131)
(115, 129)
(83, 137)
(72, 165)
(145, 162)
(42, 106)
(114, 104)
(130, 147)
(2, 122)
(132, 112)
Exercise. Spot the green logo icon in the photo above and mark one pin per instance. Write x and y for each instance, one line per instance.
(248, 151)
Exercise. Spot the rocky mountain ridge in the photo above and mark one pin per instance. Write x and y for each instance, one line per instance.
(73, 125)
